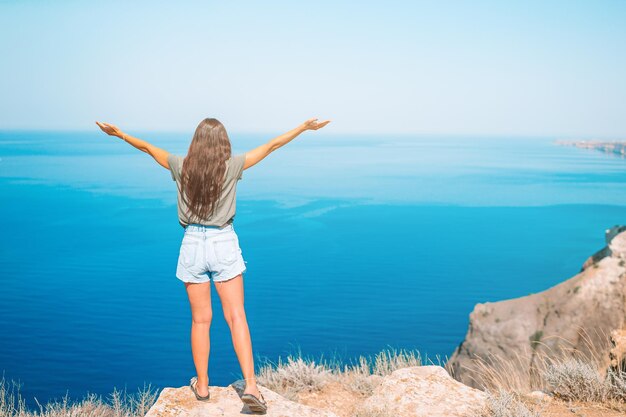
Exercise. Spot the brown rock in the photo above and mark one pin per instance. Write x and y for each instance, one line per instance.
(333, 396)
(421, 391)
(577, 315)
(225, 401)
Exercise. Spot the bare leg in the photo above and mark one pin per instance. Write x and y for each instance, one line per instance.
(231, 295)
(201, 314)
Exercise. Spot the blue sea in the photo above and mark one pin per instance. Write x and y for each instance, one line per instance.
(353, 244)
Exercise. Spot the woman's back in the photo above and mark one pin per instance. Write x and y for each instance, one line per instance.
(226, 205)
(213, 253)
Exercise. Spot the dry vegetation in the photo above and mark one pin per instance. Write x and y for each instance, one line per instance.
(335, 385)
(570, 376)
(507, 404)
(119, 404)
(571, 380)
(568, 380)
(297, 374)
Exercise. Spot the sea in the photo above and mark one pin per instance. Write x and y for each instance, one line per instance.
(354, 244)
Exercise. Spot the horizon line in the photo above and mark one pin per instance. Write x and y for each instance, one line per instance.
(343, 133)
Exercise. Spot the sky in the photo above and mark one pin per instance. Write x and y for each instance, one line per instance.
(535, 68)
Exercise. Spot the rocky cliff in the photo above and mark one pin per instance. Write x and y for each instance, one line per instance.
(418, 391)
(584, 315)
(511, 339)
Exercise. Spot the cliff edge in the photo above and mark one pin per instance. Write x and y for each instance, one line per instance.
(418, 391)
(585, 314)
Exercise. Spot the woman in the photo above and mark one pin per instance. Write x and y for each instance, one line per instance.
(206, 180)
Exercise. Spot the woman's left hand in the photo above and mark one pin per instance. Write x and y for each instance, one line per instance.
(110, 129)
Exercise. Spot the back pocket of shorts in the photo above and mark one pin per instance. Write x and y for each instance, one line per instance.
(188, 252)
(226, 251)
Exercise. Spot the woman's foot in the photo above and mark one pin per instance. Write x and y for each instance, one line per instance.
(252, 389)
(253, 398)
(202, 387)
(201, 390)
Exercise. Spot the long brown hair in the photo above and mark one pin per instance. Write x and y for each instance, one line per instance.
(202, 176)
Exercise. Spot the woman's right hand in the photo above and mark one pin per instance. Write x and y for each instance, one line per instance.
(313, 124)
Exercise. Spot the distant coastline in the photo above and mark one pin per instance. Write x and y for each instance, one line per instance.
(616, 147)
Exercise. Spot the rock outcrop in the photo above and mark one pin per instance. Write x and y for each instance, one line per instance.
(425, 391)
(583, 314)
(418, 391)
(225, 401)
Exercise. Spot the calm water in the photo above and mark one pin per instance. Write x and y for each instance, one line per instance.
(353, 244)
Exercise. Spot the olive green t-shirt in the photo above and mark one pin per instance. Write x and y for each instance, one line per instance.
(225, 210)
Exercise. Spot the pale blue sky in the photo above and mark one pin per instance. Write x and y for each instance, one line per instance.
(490, 67)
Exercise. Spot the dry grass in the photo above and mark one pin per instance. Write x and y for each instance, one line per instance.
(573, 375)
(298, 374)
(295, 375)
(495, 372)
(358, 377)
(575, 380)
(389, 360)
(120, 404)
(568, 375)
(506, 404)
(290, 377)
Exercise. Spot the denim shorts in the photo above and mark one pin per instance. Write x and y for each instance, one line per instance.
(208, 252)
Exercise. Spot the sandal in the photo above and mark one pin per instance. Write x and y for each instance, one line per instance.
(192, 384)
(255, 404)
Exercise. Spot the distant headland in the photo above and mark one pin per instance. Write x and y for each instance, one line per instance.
(616, 147)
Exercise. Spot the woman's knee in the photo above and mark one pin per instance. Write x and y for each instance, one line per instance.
(235, 316)
(204, 317)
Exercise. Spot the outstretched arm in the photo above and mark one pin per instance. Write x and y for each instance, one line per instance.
(159, 155)
(256, 155)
